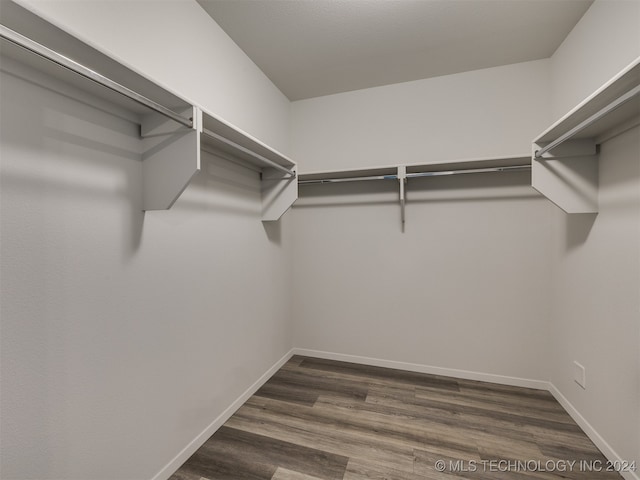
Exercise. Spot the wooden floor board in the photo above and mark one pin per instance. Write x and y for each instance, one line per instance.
(319, 419)
(547, 437)
(442, 417)
(498, 401)
(305, 389)
(326, 435)
(349, 376)
(380, 373)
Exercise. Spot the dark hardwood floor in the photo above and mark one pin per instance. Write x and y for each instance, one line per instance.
(322, 419)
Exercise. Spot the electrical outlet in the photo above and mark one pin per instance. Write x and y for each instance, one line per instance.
(579, 375)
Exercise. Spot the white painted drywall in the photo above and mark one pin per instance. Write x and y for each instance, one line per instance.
(491, 112)
(596, 278)
(596, 301)
(125, 334)
(466, 286)
(606, 40)
(178, 45)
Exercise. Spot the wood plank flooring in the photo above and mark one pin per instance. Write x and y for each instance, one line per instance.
(326, 420)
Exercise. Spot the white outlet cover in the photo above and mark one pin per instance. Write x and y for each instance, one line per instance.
(579, 375)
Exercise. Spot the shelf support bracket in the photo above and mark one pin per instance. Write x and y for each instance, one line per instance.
(570, 178)
(279, 191)
(170, 157)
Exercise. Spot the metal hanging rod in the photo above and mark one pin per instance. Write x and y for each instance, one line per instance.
(251, 153)
(589, 121)
(348, 179)
(511, 168)
(65, 62)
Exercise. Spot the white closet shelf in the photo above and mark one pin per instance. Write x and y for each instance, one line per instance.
(471, 164)
(172, 129)
(523, 160)
(403, 173)
(220, 135)
(319, 176)
(565, 156)
(279, 186)
(22, 21)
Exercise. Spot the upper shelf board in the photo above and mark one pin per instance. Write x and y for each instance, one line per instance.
(229, 133)
(39, 30)
(423, 167)
(495, 162)
(622, 83)
(362, 172)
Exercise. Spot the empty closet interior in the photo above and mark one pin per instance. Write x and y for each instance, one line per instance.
(174, 227)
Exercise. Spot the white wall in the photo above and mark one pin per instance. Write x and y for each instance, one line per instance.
(596, 301)
(606, 40)
(125, 334)
(596, 280)
(490, 112)
(466, 286)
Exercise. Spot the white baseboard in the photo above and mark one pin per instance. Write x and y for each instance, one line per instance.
(415, 367)
(197, 442)
(591, 432)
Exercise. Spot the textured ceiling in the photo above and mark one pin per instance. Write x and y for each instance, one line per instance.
(310, 48)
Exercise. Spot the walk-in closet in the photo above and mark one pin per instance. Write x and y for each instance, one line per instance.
(319, 239)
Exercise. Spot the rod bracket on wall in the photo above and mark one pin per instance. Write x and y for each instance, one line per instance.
(402, 181)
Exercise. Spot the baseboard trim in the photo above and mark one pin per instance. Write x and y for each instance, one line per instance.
(591, 432)
(197, 442)
(415, 367)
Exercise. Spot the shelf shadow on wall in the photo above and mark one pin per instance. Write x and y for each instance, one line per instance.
(223, 187)
(577, 228)
(273, 230)
(80, 97)
(70, 155)
(446, 189)
(383, 192)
